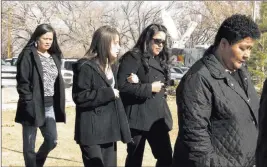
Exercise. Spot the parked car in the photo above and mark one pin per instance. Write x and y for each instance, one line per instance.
(7, 67)
(12, 61)
(8, 74)
(67, 72)
(184, 69)
(177, 72)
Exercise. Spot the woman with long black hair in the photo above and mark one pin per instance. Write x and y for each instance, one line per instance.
(41, 93)
(142, 77)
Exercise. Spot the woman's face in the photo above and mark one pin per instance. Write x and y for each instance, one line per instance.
(157, 42)
(115, 47)
(45, 41)
(236, 55)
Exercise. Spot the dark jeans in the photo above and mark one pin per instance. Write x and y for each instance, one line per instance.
(49, 133)
(101, 155)
(159, 141)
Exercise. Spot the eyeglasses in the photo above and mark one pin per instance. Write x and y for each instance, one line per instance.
(159, 41)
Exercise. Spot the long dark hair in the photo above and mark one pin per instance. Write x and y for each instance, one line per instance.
(101, 45)
(143, 45)
(41, 30)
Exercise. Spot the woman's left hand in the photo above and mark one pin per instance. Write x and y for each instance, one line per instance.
(133, 78)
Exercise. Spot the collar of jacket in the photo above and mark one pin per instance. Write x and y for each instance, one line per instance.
(95, 66)
(216, 68)
(155, 64)
(149, 59)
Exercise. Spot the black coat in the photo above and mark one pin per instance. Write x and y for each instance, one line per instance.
(31, 109)
(217, 118)
(143, 108)
(261, 154)
(100, 118)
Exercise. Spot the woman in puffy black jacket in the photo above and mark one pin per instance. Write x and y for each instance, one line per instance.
(100, 116)
(218, 104)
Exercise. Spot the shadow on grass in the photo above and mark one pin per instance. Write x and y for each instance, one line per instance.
(47, 156)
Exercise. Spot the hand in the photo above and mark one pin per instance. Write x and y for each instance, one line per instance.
(133, 78)
(156, 86)
(116, 92)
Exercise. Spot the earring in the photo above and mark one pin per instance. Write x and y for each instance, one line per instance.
(35, 44)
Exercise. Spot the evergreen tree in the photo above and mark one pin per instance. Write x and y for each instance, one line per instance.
(257, 65)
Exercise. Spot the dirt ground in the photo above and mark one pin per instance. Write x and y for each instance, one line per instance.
(67, 152)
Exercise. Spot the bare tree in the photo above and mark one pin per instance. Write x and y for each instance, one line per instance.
(79, 24)
(25, 17)
(213, 13)
(136, 16)
(75, 22)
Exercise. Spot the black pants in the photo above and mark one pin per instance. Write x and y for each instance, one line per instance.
(49, 133)
(159, 141)
(102, 155)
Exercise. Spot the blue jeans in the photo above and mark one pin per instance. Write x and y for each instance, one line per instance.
(49, 133)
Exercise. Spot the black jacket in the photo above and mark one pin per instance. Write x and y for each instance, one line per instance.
(31, 109)
(143, 108)
(261, 154)
(100, 118)
(217, 119)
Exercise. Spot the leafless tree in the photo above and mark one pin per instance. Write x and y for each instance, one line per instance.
(213, 13)
(136, 15)
(76, 21)
(24, 18)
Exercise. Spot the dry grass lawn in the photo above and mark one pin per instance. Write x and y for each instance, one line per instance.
(67, 152)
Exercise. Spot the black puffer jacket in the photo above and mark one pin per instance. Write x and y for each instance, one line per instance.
(217, 118)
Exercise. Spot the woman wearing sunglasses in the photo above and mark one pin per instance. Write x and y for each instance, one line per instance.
(142, 76)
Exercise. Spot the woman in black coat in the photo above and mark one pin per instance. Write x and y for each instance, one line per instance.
(41, 93)
(100, 116)
(142, 76)
(218, 104)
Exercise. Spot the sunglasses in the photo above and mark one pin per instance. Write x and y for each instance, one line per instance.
(159, 41)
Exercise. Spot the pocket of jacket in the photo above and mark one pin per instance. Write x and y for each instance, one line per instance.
(98, 111)
(27, 106)
(97, 122)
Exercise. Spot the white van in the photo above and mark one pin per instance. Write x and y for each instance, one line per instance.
(66, 71)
